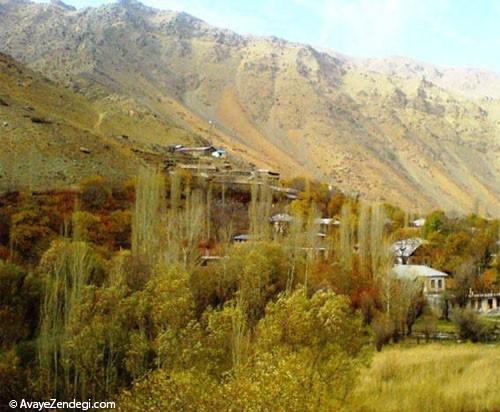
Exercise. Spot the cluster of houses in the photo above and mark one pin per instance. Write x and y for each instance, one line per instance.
(407, 265)
(210, 162)
(203, 161)
(280, 223)
(434, 282)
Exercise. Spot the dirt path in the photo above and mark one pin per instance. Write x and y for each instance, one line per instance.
(97, 125)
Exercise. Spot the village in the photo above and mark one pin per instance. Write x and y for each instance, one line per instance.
(217, 166)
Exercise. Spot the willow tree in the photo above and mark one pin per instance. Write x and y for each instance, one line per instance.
(311, 242)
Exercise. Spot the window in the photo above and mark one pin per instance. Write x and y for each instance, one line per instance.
(440, 283)
(433, 284)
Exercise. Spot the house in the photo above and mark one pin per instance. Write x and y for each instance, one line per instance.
(243, 238)
(323, 221)
(404, 249)
(325, 225)
(206, 168)
(265, 173)
(418, 222)
(174, 148)
(283, 189)
(484, 303)
(200, 151)
(326, 222)
(280, 221)
(219, 153)
(289, 193)
(239, 173)
(433, 281)
(206, 260)
(281, 218)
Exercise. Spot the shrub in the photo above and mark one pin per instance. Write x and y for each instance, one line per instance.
(383, 329)
(119, 228)
(19, 302)
(95, 194)
(367, 307)
(429, 323)
(31, 233)
(434, 222)
(470, 326)
(87, 227)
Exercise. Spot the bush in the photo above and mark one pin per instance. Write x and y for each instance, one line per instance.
(95, 195)
(383, 329)
(87, 227)
(429, 323)
(119, 227)
(19, 304)
(470, 326)
(434, 222)
(31, 233)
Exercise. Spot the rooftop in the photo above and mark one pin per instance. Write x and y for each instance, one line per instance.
(406, 247)
(281, 217)
(417, 271)
(326, 221)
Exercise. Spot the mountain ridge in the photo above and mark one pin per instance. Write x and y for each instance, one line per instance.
(404, 139)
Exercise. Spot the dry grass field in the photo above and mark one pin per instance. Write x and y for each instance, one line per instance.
(431, 378)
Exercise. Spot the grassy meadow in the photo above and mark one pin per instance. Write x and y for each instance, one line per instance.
(431, 378)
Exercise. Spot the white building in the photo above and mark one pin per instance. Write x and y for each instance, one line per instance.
(433, 281)
(418, 222)
(484, 303)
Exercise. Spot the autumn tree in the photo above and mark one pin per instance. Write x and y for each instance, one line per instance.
(148, 214)
(95, 194)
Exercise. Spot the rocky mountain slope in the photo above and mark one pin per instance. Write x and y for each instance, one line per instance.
(472, 83)
(406, 136)
(51, 137)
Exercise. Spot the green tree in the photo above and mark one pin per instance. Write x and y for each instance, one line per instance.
(434, 222)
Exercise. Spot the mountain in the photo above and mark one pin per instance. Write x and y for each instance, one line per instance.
(51, 137)
(405, 136)
(472, 83)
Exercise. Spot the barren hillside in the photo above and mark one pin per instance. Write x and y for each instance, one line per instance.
(51, 137)
(416, 140)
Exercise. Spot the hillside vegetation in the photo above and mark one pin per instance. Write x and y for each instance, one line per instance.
(416, 136)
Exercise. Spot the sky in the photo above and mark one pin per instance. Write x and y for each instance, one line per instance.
(463, 33)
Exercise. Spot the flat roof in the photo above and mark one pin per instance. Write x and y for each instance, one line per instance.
(417, 271)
